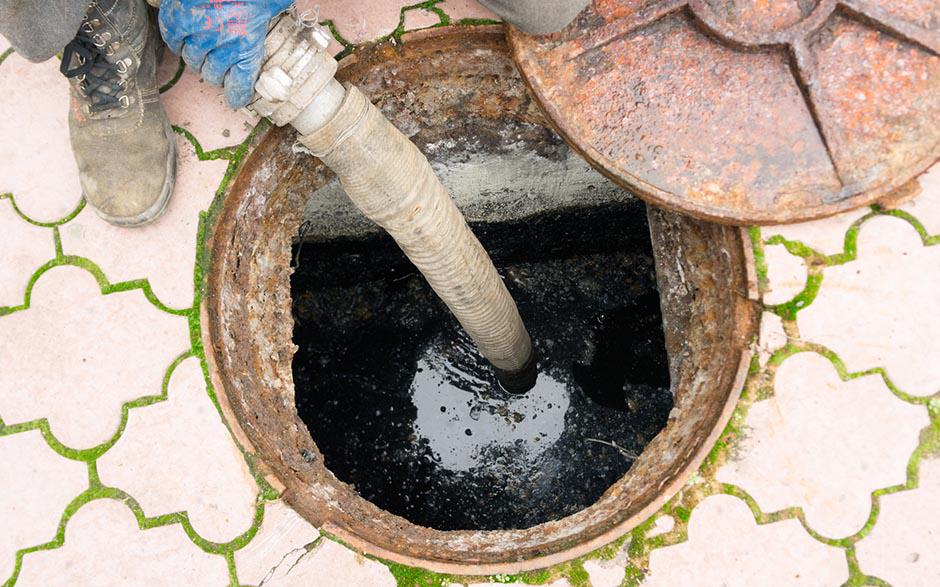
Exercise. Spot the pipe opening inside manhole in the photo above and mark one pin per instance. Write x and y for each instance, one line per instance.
(404, 407)
(363, 398)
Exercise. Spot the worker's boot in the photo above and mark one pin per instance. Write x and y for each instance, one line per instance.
(122, 141)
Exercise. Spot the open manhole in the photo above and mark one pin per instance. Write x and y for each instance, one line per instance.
(367, 404)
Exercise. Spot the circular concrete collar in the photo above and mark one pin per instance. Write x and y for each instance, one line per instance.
(436, 83)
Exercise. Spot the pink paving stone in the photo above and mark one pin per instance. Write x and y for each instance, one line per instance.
(282, 539)
(104, 546)
(772, 337)
(358, 21)
(4, 44)
(904, 547)
(786, 275)
(25, 248)
(76, 356)
(663, 525)
(824, 445)
(420, 19)
(727, 547)
(608, 572)
(329, 564)
(882, 310)
(826, 235)
(178, 456)
(201, 109)
(36, 485)
(460, 9)
(163, 252)
(38, 167)
(926, 206)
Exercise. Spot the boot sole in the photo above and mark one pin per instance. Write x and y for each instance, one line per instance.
(159, 207)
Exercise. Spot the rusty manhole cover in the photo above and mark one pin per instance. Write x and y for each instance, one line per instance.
(746, 111)
(454, 91)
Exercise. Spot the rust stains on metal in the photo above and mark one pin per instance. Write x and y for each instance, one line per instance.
(437, 86)
(746, 111)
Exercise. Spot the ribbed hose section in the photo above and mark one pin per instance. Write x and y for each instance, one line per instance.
(391, 181)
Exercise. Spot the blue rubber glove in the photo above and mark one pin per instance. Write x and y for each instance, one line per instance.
(221, 39)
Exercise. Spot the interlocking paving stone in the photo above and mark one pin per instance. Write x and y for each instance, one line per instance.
(37, 484)
(357, 21)
(104, 546)
(38, 166)
(771, 338)
(214, 124)
(25, 248)
(329, 564)
(786, 275)
(664, 523)
(461, 9)
(420, 18)
(825, 444)
(178, 456)
(608, 573)
(882, 310)
(926, 206)
(727, 547)
(75, 356)
(904, 547)
(280, 541)
(826, 235)
(162, 252)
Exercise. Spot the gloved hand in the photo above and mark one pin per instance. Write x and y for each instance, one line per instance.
(221, 39)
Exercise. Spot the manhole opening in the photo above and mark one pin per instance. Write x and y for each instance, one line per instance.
(405, 409)
(460, 99)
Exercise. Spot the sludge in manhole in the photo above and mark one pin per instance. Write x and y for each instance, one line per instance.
(406, 411)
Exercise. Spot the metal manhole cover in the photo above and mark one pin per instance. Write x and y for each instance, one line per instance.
(746, 111)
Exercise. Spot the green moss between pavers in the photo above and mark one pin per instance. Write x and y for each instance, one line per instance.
(176, 76)
(55, 223)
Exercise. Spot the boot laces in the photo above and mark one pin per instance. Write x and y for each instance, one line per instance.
(99, 80)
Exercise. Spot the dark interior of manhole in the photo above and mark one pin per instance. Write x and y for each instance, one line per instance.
(405, 410)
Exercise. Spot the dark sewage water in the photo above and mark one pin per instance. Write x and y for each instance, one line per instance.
(406, 410)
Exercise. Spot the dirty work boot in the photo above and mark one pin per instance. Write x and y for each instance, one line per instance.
(122, 141)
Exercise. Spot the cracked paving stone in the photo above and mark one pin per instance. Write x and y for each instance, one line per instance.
(786, 275)
(882, 310)
(358, 21)
(826, 235)
(36, 485)
(178, 455)
(76, 356)
(214, 124)
(25, 248)
(926, 206)
(163, 252)
(458, 10)
(824, 445)
(772, 337)
(609, 572)
(329, 564)
(727, 547)
(35, 104)
(280, 541)
(663, 525)
(104, 546)
(420, 18)
(904, 546)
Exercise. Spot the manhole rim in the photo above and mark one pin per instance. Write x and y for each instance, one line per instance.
(217, 246)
